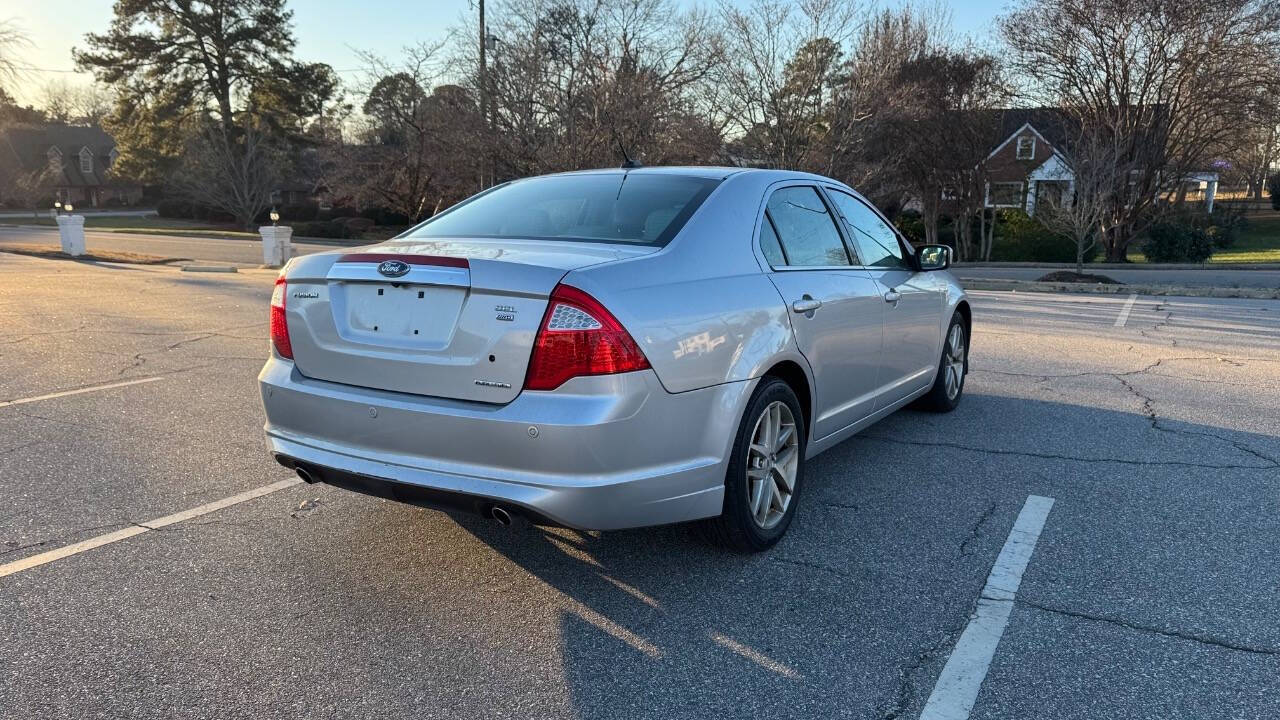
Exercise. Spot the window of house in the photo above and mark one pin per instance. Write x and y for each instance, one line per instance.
(806, 231)
(1005, 194)
(86, 161)
(876, 242)
(55, 160)
(1027, 147)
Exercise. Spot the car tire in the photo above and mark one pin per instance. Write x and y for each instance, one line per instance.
(745, 525)
(953, 366)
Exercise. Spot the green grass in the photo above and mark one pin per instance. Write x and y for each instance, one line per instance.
(1259, 243)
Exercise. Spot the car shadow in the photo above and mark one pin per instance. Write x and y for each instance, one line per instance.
(892, 541)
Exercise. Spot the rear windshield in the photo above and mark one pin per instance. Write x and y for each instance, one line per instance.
(620, 207)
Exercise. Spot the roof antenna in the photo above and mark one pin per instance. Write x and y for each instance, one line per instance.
(627, 162)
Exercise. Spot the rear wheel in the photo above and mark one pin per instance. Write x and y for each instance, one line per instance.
(762, 486)
(948, 386)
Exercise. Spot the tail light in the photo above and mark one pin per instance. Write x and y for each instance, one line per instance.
(579, 336)
(279, 323)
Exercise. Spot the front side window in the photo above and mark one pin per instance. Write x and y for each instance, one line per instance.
(876, 242)
(806, 232)
(634, 208)
(86, 161)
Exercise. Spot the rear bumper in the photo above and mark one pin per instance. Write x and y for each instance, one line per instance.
(599, 453)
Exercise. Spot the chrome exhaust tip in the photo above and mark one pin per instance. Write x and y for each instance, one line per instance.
(500, 515)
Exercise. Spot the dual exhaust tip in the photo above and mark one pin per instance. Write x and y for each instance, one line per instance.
(496, 513)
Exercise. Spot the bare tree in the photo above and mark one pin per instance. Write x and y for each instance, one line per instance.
(574, 82)
(940, 128)
(416, 144)
(233, 170)
(12, 39)
(780, 73)
(1081, 213)
(27, 189)
(76, 104)
(1166, 83)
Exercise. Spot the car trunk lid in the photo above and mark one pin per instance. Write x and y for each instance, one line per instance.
(451, 318)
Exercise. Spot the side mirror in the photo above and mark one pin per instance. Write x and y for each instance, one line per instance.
(933, 257)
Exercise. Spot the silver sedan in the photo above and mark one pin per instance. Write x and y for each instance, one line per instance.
(612, 349)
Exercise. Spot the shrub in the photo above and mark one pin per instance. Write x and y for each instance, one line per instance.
(1273, 186)
(911, 227)
(320, 229)
(1172, 241)
(174, 209)
(354, 225)
(299, 212)
(1020, 238)
(335, 213)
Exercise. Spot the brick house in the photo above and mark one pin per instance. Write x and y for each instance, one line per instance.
(78, 157)
(1028, 169)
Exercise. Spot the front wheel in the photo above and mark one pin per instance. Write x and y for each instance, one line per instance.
(948, 386)
(762, 486)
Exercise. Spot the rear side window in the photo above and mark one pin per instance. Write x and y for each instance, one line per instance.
(876, 242)
(769, 244)
(636, 208)
(806, 231)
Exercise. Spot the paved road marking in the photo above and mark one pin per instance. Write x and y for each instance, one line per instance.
(93, 388)
(44, 558)
(1124, 312)
(957, 687)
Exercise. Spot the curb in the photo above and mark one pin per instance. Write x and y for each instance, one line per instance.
(1154, 267)
(1097, 289)
(210, 268)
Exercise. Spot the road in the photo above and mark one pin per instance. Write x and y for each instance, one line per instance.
(231, 249)
(1150, 593)
(1140, 275)
(247, 251)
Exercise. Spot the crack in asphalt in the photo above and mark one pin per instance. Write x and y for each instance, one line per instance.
(1059, 456)
(1177, 634)
(1148, 411)
(976, 530)
(67, 535)
(907, 672)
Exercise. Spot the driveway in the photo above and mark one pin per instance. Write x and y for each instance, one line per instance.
(192, 577)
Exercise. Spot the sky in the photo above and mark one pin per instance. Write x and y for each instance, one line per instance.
(330, 31)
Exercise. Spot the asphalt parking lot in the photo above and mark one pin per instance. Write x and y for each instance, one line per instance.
(1152, 589)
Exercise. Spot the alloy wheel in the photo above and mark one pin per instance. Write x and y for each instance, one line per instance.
(772, 461)
(954, 361)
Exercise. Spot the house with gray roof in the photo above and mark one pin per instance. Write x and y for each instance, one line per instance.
(79, 160)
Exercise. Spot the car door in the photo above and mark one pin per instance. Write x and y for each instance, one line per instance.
(913, 301)
(835, 307)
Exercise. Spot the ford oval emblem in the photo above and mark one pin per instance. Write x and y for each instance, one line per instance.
(393, 268)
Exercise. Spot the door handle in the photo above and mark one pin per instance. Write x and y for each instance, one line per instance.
(893, 296)
(806, 305)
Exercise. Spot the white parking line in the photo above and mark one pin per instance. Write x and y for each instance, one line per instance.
(93, 388)
(44, 558)
(957, 687)
(1124, 312)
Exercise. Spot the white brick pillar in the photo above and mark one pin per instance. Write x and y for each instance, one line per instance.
(277, 245)
(1210, 192)
(71, 233)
